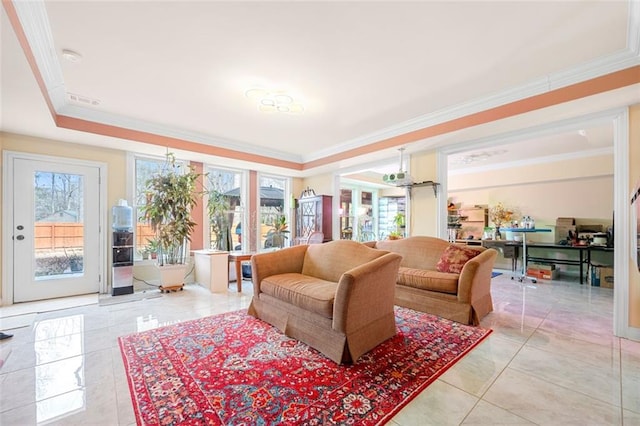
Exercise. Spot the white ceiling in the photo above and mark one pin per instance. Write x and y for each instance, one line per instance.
(364, 71)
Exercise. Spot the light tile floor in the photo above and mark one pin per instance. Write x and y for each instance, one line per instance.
(552, 359)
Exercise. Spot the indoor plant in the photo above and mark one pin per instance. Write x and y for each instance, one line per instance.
(170, 196)
(220, 215)
(277, 233)
(144, 252)
(399, 221)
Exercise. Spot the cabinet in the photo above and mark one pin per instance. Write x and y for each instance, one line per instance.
(314, 214)
(453, 224)
(472, 221)
(212, 269)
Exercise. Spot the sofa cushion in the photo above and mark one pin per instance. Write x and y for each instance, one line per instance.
(417, 252)
(454, 257)
(309, 293)
(330, 260)
(424, 279)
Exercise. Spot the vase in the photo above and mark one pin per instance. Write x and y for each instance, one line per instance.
(498, 234)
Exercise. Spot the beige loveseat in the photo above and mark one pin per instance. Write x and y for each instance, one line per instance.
(461, 293)
(336, 297)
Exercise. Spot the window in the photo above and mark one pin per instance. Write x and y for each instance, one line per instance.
(346, 214)
(145, 168)
(365, 217)
(225, 208)
(359, 219)
(274, 220)
(392, 216)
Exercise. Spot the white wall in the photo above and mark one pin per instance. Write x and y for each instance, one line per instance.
(423, 215)
(589, 200)
(579, 188)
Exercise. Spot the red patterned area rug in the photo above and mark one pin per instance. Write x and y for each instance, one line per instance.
(235, 369)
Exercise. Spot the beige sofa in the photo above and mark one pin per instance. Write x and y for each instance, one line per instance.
(336, 297)
(463, 296)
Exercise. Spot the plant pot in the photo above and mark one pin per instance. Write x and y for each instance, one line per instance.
(172, 275)
(75, 265)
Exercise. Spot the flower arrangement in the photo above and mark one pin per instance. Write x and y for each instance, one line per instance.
(499, 215)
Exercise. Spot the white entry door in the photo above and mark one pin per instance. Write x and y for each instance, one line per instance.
(55, 233)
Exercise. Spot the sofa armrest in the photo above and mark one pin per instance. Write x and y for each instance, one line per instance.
(276, 262)
(365, 293)
(475, 277)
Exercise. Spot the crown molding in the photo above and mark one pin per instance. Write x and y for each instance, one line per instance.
(533, 161)
(537, 131)
(633, 27)
(35, 24)
(623, 59)
(596, 68)
(547, 129)
(34, 21)
(91, 115)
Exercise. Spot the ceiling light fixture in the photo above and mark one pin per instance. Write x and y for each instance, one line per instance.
(479, 156)
(472, 158)
(274, 101)
(71, 55)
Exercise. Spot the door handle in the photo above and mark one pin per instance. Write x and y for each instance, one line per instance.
(20, 237)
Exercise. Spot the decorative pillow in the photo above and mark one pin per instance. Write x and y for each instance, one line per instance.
(454, 258)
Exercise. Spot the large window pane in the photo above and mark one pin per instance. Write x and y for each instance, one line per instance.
(145, 168)
(274, 220)
(225, 208)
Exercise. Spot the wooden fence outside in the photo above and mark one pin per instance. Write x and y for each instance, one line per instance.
(61, 235)
(58, 235)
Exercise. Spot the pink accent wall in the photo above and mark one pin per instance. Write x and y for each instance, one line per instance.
(254, 212)
(197, 214)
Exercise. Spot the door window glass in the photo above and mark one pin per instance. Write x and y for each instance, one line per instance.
(59, 228)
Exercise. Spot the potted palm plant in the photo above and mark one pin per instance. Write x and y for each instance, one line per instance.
(278, 232)
(170, 197)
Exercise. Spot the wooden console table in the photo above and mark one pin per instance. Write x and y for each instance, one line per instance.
(238, 257)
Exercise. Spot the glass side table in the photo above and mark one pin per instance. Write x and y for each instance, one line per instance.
(524, 231)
